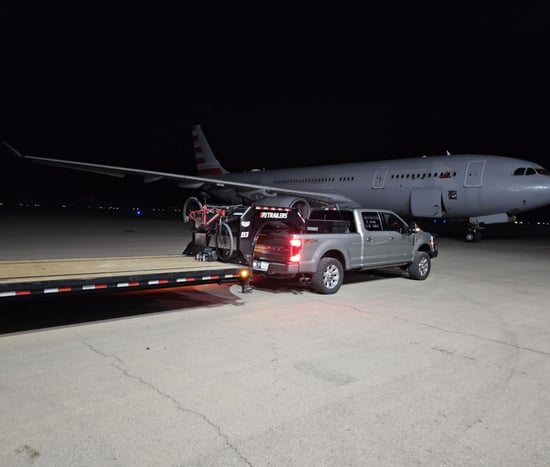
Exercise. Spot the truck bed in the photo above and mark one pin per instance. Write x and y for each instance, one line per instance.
(30, 277)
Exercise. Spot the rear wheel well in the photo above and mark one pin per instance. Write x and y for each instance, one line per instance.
(336, 255)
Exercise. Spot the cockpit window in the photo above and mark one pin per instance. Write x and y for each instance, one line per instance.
(520, 171)
(543, 172)
(530, 171)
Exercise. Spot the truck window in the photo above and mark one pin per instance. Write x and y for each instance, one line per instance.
(371, 221)
(392, 222)
(335, 215)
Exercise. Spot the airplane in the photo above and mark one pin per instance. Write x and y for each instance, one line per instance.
(472, 188)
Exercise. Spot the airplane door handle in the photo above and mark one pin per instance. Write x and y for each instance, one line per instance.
(368, 239)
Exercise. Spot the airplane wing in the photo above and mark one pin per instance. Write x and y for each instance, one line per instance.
(187, 181)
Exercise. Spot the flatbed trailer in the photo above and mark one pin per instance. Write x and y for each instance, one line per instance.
(44, 277)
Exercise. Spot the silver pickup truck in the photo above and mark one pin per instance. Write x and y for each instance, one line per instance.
(333, 241)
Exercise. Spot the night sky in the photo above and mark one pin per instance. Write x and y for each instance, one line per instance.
(272, 87)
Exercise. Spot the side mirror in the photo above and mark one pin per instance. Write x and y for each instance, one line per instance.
(413, 227)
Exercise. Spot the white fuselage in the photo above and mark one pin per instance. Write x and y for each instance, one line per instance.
(456, 186)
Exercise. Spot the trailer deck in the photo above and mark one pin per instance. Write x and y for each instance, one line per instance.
(39, 277)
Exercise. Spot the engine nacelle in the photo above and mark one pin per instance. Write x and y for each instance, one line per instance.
(301, 204)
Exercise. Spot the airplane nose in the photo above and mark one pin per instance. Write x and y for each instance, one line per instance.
(541, 192)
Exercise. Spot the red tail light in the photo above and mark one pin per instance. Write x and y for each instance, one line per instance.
(295, 250)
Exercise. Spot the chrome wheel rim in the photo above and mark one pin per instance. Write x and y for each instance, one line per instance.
(331, 276)
(423, 266)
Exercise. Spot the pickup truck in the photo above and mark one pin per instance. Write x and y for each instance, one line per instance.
(332, 241)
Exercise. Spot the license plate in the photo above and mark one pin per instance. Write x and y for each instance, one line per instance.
(260, 265)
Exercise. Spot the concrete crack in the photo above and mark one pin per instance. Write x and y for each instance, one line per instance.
(125, 372)
(191, 411)
(93, 349)
(488, 339)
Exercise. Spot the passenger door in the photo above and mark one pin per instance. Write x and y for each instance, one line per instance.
(400, 241)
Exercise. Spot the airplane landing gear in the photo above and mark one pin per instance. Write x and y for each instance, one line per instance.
(473, 233)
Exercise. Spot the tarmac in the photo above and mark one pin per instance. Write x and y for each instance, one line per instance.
(451, 371)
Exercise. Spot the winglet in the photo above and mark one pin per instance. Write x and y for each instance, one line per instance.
(12, 149)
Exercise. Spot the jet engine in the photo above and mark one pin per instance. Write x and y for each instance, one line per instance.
(301, 204)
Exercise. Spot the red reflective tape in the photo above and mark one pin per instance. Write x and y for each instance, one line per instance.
(94, 286)
(159, 281)
(58, 289)
(127, 284)
(23, 292)
(209, 278)
(197, 148)
(186, 279)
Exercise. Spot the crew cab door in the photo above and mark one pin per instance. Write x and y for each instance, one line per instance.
(386, 238)
(376, 241)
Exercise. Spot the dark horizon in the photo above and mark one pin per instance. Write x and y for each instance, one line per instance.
(268, 94)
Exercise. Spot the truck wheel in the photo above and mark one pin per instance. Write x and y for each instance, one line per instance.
(225, 245)
(419, 269)
(328, 277)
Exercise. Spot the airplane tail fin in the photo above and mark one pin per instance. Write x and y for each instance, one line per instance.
(206, 162)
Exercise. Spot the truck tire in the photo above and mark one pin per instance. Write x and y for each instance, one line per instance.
(420, 268)
(328, 277)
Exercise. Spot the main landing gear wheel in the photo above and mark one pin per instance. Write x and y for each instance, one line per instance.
(225, 244)
(473, 236)
(328, 277)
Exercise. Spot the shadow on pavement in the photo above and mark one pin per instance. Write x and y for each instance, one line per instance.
(29, 313)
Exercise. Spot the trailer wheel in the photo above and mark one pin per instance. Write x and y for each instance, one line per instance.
(420, 268)
(191, 204)
(328, 277)
(225, 244)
